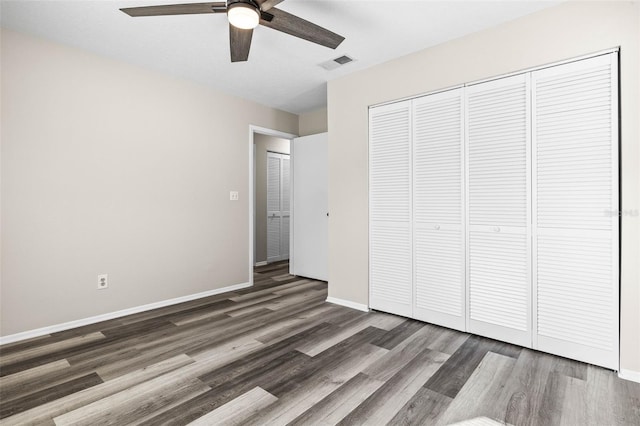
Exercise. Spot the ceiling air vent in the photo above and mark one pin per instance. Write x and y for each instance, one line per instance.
(337, 62)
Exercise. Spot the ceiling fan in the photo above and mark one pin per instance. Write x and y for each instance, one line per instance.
(244, 16)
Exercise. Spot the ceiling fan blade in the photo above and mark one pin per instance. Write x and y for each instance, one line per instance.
(298, 27)
(268, 4)
(177, 9)
(240, 43)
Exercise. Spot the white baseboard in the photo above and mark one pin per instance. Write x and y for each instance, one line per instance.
(633, 376)
(111, 315)
(348, 304)
(264, 262)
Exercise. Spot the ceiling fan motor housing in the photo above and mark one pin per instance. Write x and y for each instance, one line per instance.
(233, 3)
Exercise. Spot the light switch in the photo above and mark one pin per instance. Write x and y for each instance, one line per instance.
(233, 195)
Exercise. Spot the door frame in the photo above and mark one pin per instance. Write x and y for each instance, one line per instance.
(252, 159)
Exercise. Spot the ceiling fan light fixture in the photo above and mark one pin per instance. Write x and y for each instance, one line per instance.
(243, 16)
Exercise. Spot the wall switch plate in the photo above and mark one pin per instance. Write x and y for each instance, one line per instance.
(233, 195)
(103, 281)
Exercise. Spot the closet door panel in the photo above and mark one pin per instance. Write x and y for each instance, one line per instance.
(390, 231)
(438, 219)
(498, 209)
(499, 300)
(575, 206)
(274, 208)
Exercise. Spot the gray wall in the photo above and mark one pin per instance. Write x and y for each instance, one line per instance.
(111, 168)
(565, 31)
(263, 144)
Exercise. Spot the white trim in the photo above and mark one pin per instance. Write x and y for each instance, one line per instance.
(633, 376)
(269, 132)
(348, 304)
(263, 263)
(117, 314)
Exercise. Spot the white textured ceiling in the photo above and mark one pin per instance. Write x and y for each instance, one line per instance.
(282, 70)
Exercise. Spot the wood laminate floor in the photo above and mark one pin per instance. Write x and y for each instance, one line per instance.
(278, 354)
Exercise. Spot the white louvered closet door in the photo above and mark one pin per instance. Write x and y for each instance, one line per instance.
(390, 237)
(575, 154)
(498, 209)
(438, 219)
(278, 209)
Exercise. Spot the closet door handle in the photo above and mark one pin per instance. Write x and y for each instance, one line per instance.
(496, 229)
(436, 227)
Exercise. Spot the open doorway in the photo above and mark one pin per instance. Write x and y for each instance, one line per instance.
(271, 202)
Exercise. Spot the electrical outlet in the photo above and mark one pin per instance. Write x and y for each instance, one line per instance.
(233, 195)
(103, 281)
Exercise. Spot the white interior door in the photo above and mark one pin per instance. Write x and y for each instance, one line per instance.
(575, 210)
(438, 215)
(278, 206)
(498, 209)
(390, 233)
(310, 207)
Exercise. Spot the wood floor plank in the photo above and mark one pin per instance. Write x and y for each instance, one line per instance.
(238, 410)
(134, 403)
(164, 350)
(625, 397)
(398, 334)
(570, 368)
(480, 393)
(218, 306)
(459, 367)
(447, 341)
(134, 329)
(552, 400)
(293, 325)
(297, 286)
(18, 358)
(42, 396)
(250, 306)
(611, 399)
(574, 405)
(22, 345)
(403, 352)
(281, 277)
(188, 338)
(385, 402)
(524, 389)
(313, 388)
(330, 370)
(228, 352)
(48, 380)
(6, 382)
(265, 291)
(339, 403)
(45, 412)
(271, 375)
(171, 309)
(424, 408)
(289, 407)
(381, 321)
(340, 359)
